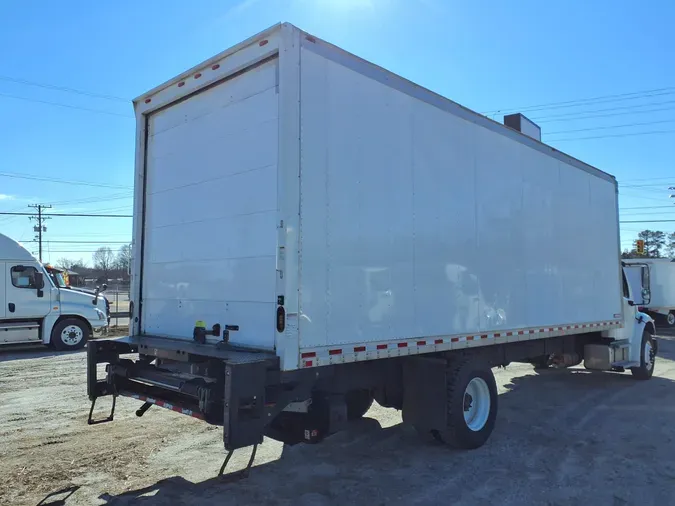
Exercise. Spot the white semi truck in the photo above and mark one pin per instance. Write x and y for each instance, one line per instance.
(313, 232)
(652, 281)
(36, 307)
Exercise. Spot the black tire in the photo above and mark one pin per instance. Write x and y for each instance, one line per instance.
(458, 433)
(78, 332)
(646, 369)
(358, 403)
(664, 319)
(541, 363)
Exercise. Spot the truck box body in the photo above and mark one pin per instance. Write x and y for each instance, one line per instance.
(336, 212)
(659, 279)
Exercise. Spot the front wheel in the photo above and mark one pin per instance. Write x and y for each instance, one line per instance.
(70, 334)
(471, 403)
(647, 358)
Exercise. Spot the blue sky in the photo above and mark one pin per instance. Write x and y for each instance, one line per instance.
(486, 55)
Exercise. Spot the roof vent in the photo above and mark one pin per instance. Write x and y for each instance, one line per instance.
(523, 125)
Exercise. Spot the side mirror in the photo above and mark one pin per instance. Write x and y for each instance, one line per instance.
(39, 280)
(104, 287)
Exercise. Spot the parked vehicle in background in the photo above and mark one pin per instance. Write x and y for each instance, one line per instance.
(373, 240)
(37, 307)
(653, 282)
(60, 280)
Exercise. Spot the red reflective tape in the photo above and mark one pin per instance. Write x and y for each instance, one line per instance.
(453, 340)
(438, 341)
(308, 363)
(469, 338)
(335, 352)
(308, 354)
(484, 336)
(530, 331)
(402, 345)
(520, 332)
(508, 334)
(421, 343)
(542, 330)
(497, 335)
(359, 349)
(381, 346)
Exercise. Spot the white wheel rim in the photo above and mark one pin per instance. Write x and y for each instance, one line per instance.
(649, 355)
(476, 404)
(72, 335)
(670, 318)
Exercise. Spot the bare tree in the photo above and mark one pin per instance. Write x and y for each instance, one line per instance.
(104, 260)
(123, 260)
(69, 264)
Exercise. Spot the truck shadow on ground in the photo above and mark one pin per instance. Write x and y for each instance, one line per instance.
(32, 352)
(539, 416)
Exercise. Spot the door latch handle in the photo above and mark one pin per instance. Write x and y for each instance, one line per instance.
(11, 307)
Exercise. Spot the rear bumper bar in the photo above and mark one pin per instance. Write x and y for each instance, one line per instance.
(239, 389)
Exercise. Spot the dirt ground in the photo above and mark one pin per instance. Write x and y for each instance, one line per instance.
(562, 438)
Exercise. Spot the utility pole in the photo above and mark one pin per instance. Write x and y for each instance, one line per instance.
(40, 227)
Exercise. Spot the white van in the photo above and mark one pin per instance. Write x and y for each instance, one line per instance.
(33, 309)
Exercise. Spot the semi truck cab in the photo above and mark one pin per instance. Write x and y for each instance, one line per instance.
(35, 309)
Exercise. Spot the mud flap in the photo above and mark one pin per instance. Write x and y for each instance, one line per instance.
(424, 391)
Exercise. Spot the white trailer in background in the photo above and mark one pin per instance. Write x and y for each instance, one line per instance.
(312, 232)
(652, 281)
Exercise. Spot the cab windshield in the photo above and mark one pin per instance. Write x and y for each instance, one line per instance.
(57, 277)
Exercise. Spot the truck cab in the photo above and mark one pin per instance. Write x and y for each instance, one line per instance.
(36, 309)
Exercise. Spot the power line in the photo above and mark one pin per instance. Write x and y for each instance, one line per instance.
(612, 126)
(593, 116)
(653, 132)
(75, 215)
(67, 106)
(584, 101)
(84, 242)
(646, 207)
(15, 175)
(64, 89)
(648, 221)
(629, 107)
(103, 198)
(624, 185)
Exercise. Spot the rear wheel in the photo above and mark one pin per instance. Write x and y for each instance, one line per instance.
(70, 334)
(647, 358)
(471, 403)
(669, 319)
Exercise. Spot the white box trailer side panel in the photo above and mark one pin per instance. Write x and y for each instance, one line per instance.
(662, 284)
(661, 280)
(417, 223)
(209, 246)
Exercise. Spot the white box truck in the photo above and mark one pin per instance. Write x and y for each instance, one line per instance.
(36, 306)
(312, 232)
(652, 281)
